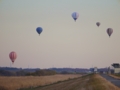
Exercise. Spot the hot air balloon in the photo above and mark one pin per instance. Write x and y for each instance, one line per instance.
(109, 31)
(75, 15)
(98, 24)
(39, 30)
(13, 56)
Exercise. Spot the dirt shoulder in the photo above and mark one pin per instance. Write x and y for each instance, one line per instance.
(114, 76)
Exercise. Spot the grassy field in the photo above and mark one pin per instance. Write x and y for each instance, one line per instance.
(88, 82)
(13, 83)
(57, 82)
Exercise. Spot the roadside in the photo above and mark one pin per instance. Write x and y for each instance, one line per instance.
(111, 79)
(97, 82)
(114, 76)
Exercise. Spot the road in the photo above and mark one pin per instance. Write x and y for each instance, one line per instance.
(111, 79)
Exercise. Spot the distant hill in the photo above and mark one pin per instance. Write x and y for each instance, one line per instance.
(12, 73)
(70, 70)
(8, 71)
(19, 69)
(58, 70)
(43, 72)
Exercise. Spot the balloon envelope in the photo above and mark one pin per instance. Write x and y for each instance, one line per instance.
(13, 56)
(98, 24)
(39, 30)
(75, 15)
(109, 31)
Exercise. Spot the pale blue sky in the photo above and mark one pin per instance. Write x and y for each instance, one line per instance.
(63, 42)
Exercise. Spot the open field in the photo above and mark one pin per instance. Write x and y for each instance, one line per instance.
(58, 82)
(89, 82)
(13, 83)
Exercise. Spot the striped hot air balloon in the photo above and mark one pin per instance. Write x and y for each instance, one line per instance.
(13, 56)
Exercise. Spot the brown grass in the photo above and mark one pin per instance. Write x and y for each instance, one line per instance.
(73, 84)
(13, 83)
(114, 76)
(89, 82)
(97, 82)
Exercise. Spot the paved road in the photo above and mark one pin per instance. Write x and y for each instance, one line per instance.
(111, 79)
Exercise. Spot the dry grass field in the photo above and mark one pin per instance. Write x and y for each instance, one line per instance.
(13, 83)
(89, 82)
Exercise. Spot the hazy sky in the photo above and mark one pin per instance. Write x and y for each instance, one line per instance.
(63, 42)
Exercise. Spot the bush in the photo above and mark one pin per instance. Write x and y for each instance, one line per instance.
(42, 73)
